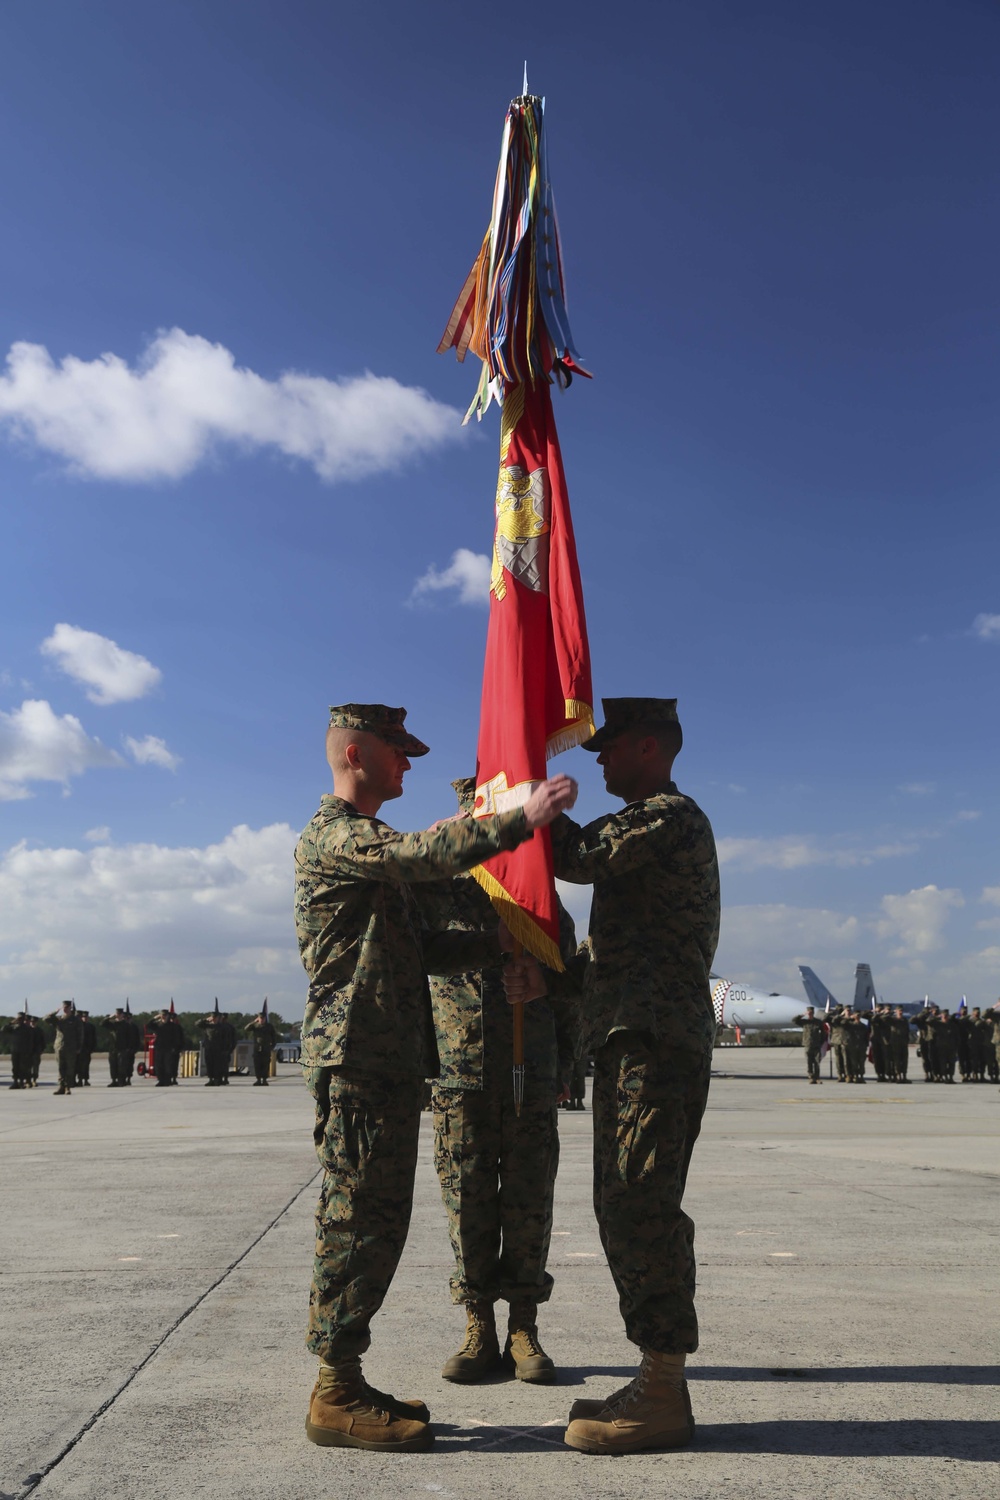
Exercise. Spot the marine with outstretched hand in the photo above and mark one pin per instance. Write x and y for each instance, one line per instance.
(654, 928)
(368, 1040)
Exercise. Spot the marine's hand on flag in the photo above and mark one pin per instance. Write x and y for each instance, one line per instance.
(523, 980)
(548, 800)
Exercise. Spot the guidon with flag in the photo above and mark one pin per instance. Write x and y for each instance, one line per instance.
(537, 697)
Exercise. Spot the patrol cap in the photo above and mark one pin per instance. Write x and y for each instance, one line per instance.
(621, 714)
(465, 788)
(375, 718)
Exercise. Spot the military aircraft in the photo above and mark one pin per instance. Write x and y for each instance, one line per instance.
(751, 1010)
(864, 992)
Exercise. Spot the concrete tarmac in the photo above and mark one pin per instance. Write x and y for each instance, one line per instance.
(156, 1255)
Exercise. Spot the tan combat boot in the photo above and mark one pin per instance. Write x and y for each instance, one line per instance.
(345, 1412)
(481, 1351)
(653, 1412)
(523, 1350)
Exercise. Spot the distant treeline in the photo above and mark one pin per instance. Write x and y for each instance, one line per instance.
(187, 1018)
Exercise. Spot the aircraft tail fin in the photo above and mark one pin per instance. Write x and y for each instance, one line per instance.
(817, 992)
(864, 988)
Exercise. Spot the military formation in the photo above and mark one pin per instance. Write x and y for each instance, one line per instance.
(76, 1041)
(411, 977)
(968, 1041)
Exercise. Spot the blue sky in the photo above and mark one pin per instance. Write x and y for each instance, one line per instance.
(234, 231)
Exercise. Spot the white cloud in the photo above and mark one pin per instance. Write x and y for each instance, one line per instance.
(991, 895)
(152, 751)
(793, 852)
(763, 945)
(187, 396)
(36, 744)
(987, 627)
(100, 835)
(150, 921)
(468, 573)
(917, 920)
(967, 815)
(108, 672)
(917, 788)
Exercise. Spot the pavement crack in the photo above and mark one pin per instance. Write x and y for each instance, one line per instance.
(34, 1480)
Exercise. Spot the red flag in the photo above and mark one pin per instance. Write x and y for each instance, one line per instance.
(537, 694)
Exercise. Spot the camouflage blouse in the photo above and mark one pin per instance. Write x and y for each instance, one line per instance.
(362, 941)
(654, 923)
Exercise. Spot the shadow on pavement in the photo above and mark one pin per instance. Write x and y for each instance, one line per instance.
(978, 1442)
(577, 1374)
(975, 1442)
(834, 1375)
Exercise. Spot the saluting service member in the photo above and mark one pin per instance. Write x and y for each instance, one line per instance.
(264, 1037)
(813, 1032)
(21, 1050)
(67, 1025)
(654, 928)
(88, 1041)
(368, 1041)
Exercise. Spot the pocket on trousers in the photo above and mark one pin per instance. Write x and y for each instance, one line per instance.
(638, 1131)
(351, 1160)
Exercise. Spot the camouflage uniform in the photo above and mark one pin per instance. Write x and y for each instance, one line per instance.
(899, 1047)
(124, 1043)
(497, 1170)
(977, 1033)
(88, 1041)
(368, 1036)
(881, 1050)
(67, 1045)
(264, 1036)
(857, 1048)
(21, 1050)
(654, 927)
(923, 1021)
(944, 1046)
(220, 1039)
(167, 1047)
(840, 1042)
(992, 1019)
(813, 1035)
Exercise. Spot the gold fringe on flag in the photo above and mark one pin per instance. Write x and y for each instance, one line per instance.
(572, 734)
(521, 927)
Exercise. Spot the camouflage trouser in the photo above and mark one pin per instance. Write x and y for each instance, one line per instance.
(901, 1058)
(125, 1065)
(66, 1063)
(842, 1058)
(83, 1067)
(261, 1064)
(164, 1064)
(649, 1099)
(812, 1062)
(366, 1138)
(497, 1174)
